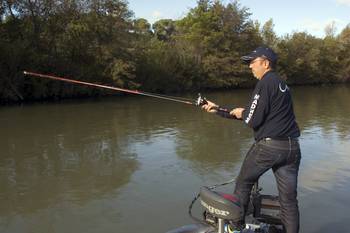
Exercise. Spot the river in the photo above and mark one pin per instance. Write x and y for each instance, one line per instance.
(133, 164)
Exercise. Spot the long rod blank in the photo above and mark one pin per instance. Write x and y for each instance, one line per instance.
(171, 98)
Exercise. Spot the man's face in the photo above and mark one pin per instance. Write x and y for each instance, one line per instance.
(259, 67)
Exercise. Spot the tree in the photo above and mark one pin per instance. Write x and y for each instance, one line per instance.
(142, 26)
(80, 39)
(100, 41)
(299, 58)
(343, 58)
(330, 29)
(268, 35)
(329, 63)
(163, 29)
(216, 35)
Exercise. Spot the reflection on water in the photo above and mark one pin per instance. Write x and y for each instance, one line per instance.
(121, 165)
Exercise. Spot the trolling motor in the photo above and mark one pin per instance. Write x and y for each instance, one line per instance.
(222, 213)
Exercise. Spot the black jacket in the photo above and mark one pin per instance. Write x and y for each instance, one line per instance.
(270, 110)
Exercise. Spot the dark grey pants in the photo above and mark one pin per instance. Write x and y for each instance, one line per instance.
(283, 156)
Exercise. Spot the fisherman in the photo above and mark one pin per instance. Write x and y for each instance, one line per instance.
(271, 116)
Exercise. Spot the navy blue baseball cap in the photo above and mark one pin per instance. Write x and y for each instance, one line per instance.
(262, 51)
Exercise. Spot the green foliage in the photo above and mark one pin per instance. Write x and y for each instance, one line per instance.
(162, 67)
(79, 39)
(142, 26)
(163, 29)
(329, 63)
(216, 35)
(268, 35)
(299, 56)
(100, 41)
(343, 56)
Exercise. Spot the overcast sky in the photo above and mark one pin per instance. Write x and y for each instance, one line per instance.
(288, 16)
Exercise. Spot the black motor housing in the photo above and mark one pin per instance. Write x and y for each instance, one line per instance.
(227, 208)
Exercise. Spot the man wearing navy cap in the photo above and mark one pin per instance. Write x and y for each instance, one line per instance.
(270, 114)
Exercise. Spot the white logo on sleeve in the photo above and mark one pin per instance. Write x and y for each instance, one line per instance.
(252, 108)
(285, 88)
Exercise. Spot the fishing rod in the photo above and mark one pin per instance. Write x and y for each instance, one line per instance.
(171, 98)
(197, 102)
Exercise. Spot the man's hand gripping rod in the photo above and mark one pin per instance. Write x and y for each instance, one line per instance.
(203, 101)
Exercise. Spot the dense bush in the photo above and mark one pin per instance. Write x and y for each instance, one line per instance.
(100, 41)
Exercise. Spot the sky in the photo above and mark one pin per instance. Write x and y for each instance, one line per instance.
(288, 17)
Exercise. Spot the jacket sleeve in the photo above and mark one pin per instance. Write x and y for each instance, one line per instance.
(225, 112)
(255, 113)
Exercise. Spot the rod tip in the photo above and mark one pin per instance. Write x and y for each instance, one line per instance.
(25, 72)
